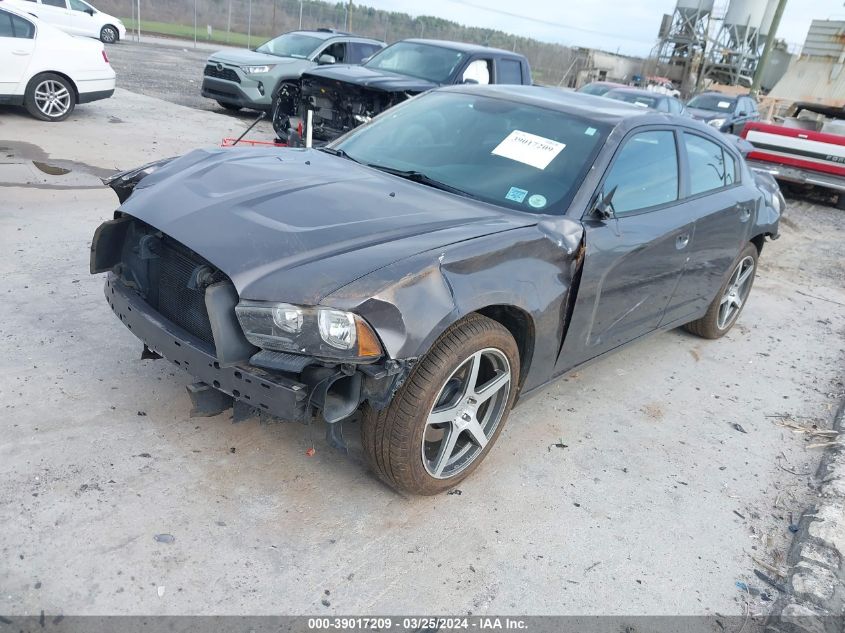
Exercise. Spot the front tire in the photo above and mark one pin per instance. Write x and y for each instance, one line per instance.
(50, 97)
(731, 298)
(109, 34)
(447, 415)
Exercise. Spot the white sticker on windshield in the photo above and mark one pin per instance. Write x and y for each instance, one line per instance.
(529, 149)
(590, 131)
(515, 194)
(724, 104)
(537, 201)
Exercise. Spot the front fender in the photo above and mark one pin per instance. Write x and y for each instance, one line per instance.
(411, 303)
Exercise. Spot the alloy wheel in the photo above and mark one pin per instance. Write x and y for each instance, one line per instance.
(736, 292)
(52, 98)
(108, 35)
(466, 413)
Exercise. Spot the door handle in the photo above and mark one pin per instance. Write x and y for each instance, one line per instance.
(681, 241)
(20, 52)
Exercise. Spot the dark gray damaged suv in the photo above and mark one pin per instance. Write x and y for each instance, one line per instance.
(431, 267)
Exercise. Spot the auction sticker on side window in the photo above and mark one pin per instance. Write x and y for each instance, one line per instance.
(529, 149)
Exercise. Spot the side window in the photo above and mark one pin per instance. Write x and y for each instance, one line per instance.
(730, 168)
(674, 106)
(13, 26)
(61, 4)
(359, 51)
(710, 166)
(336, 50)
(78, 5)
(508, 71)
(478, 71)
(645, 172)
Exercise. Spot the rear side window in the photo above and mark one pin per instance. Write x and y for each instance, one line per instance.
(645, 172)
(710, 166)
(359, 51)
(508, 71)
(13, 26)
(675, 106)
(55, 3)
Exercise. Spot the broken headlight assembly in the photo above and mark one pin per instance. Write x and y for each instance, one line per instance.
(315, 331)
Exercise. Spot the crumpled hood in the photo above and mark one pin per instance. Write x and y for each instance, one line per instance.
(295, 225)
(373, 78)
(247, 57)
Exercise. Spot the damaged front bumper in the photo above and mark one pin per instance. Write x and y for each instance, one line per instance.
(308, 389)
(280, 395)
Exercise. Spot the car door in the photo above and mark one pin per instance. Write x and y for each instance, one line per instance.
(17, 46)
(55, 12)
(81, 19)
(723, 210)
(634, 260)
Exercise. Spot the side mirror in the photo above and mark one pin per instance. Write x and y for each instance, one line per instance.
(90, 11)
(325, 59)
(603, 208)
(743, 113)
(366, 59)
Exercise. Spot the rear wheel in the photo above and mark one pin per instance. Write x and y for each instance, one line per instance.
(50, 97)
(109, 34)
(446, 417)
(731, 299)
(231, 107)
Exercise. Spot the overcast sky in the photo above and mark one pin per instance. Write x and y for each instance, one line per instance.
(627, 25)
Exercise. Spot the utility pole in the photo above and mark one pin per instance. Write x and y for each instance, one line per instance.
(349, 18)
(767, 49)
(300, 15)
(195, 23)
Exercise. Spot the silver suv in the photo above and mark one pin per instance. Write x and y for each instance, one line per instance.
(238, 78)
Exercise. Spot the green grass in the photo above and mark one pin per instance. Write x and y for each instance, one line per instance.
(187, 32)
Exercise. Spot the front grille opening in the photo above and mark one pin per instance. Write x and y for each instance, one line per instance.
(227, 74)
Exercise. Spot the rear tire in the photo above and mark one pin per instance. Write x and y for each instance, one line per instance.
(450, 411)
(731, 298)
(50, 97)
(109, 34)
(231, 107)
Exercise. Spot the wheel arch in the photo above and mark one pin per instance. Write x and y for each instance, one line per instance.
(758, 241)
(520, 324)
(64, 76)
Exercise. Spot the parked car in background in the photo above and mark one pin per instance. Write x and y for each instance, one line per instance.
(48, 71)
(252, 78)
(343, 97)
(598, 88)
(76, 17)
(805, 148)
(433, 266)
(647, 99)
(726, 113)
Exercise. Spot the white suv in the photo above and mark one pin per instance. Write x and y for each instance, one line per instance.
(75, 17)
(47, 70)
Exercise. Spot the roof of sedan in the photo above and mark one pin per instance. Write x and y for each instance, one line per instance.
(588, 106)
(463, 46)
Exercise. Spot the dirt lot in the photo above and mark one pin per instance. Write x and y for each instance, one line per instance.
(643, 484)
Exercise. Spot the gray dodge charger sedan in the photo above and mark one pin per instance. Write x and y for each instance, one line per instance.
(426, 271)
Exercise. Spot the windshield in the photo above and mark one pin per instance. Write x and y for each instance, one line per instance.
(432, 63)
(511, 154)
(714, 103)
(644, 101)
(595, 89)
(291, 45)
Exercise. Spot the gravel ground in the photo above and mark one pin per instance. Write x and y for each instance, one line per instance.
(642, 484)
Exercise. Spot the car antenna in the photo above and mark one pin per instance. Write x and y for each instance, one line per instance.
(246, 131)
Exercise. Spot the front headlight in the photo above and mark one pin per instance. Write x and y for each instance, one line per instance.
(252, 70)
(716, 122)
(315, 331)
